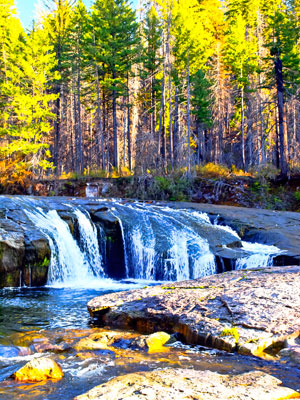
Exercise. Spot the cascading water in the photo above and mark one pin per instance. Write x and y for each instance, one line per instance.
(159, 243)
(89, 244)
(69, 265)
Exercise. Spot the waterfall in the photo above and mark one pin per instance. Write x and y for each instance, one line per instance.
(159, 243)
(69, 265)
(89, 244)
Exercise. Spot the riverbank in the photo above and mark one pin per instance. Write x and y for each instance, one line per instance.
(258, 191)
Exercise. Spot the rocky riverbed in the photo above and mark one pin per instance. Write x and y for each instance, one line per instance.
(251, 312)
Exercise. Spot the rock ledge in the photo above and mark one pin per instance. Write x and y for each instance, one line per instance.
(245, 311)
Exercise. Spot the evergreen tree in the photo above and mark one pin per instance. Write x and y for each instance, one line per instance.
(57, 25)
(116, 29)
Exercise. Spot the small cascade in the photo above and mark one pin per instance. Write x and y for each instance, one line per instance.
(69, 265)
(260, 256)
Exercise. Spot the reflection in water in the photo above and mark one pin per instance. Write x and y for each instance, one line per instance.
(35, 322)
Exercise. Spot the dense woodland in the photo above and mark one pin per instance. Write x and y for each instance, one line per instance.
(169, 86)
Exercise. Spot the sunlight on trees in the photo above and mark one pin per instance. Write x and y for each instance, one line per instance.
(182, 83)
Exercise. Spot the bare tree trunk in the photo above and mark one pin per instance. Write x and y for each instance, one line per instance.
(176, 130)
(162, 109)
(242, 125)
(115, 125)
(128, 129)
(188, 113)
(170, 96)
(280, 107)
(79, 132)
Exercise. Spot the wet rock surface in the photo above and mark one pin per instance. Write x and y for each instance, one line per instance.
(90, 357)
(39, 369)
(177, 384)
(246, 311)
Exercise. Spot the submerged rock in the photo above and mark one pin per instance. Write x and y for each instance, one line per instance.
(39, 369)
(245, 311)
(179, 384)
(114, 340)
(103, 340)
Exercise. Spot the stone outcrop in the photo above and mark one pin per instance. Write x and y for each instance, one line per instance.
(24, 254)
(246, 311)
(179, 384)
(12, 251)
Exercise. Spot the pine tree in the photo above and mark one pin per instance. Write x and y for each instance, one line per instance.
(57, 25)
(116, 30)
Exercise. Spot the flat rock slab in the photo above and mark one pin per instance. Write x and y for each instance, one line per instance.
(177, 384)
(245, 311)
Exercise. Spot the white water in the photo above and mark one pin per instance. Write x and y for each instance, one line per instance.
(261, 257)
(69, 266)
(160, 245)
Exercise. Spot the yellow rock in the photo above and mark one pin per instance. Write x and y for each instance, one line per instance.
(156, 341)
(39, 369)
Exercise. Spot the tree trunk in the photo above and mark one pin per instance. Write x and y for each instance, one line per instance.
(115, 126)
(280, 107)
(175, 130)
(162, 110)
(128, 129)
(188, 113)
(242, 125)
(79, 132)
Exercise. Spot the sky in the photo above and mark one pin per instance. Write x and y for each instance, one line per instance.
(27, 9)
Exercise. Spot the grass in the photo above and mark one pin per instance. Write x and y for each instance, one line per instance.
(231, 332)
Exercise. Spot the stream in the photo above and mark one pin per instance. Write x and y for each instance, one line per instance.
(32, 319)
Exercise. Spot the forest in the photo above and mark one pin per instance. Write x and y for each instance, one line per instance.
(169, 85)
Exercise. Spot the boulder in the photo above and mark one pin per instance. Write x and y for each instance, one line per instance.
(179, 384)
(39, 369)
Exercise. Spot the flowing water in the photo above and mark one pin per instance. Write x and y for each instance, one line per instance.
(157, 243)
